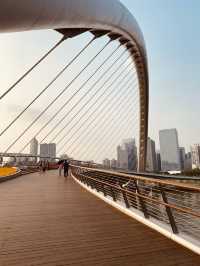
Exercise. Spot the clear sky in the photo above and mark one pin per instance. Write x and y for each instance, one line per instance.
(171, 32)
(172, 35)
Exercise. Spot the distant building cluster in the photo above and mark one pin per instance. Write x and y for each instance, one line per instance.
(47, 150)
(170, 158)
(21, 160)
(126, 157)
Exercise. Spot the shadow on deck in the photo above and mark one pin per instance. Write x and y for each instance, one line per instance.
(47, 220)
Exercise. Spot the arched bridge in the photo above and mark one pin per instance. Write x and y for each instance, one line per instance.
(94, 98)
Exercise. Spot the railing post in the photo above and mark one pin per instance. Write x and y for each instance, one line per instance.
(169, 212)
(97, 186)
(144, 209)
(125, 199)
(103, 190)
(113, 194)
(85, 180)
(91, 184)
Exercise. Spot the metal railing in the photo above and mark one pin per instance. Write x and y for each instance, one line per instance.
(166, 202)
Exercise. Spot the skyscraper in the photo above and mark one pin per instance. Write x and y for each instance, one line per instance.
(122, 158)
(127, 155)
(44, 151)
(106, 163)
(182, 157)
(113, 164)
(169, 150)
(48, 150)
(151, 164)
(34, 147)
(158, 161)
(195, 151)
(188, 162)
(52, 150)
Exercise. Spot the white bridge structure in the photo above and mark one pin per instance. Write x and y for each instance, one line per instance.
(72, 18)
(104, 100)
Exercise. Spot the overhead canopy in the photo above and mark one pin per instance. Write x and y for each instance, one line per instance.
(26, 15)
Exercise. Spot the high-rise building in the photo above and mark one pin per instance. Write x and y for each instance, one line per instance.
(195, 151)
(106, 163)
(34, 147)
(151, 164)
(44, 151)
(127, 155)
(122, 158)
(52, 150)
(158, 161)
(182, 157)
(113, 164)
(188, 162)
(48, 150)
(169, 150)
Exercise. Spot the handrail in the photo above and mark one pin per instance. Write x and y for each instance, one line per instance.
(184, 210)
(168, 202)
(141, 178)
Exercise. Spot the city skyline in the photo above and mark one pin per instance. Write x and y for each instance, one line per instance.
(171, 157)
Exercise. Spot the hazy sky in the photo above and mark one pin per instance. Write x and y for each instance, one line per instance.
(172, 35)
(171, 32)
(116, 115)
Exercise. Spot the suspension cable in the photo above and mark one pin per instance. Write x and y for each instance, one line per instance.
(110, 86)
(119, 112)
(117, 136)
(47, 87)
(57, 97)
(95, 138)
(32, 68)
(67, 102)
(64, 105)
(100, 138)
(73, 107)
(93, 113)
(80, 100)
(105, 125)
(101, 104)
(77, 113)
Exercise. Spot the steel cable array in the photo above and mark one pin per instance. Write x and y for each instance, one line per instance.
(107, 94)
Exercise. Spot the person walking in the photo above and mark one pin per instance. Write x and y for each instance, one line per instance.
(66, 168)
(60, 167)
(44, 166)
(40, 166)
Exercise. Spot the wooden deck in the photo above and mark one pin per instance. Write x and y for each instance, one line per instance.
(47, 220)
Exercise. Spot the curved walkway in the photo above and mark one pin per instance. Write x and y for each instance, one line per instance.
(47, 220)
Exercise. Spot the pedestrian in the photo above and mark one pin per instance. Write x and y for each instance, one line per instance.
(47, 165)
(66, 168)
(40, 166)
(60, 163)
(44, 165)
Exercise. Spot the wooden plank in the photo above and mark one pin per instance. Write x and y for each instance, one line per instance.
(48, 220)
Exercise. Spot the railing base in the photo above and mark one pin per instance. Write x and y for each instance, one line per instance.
(163, 229)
